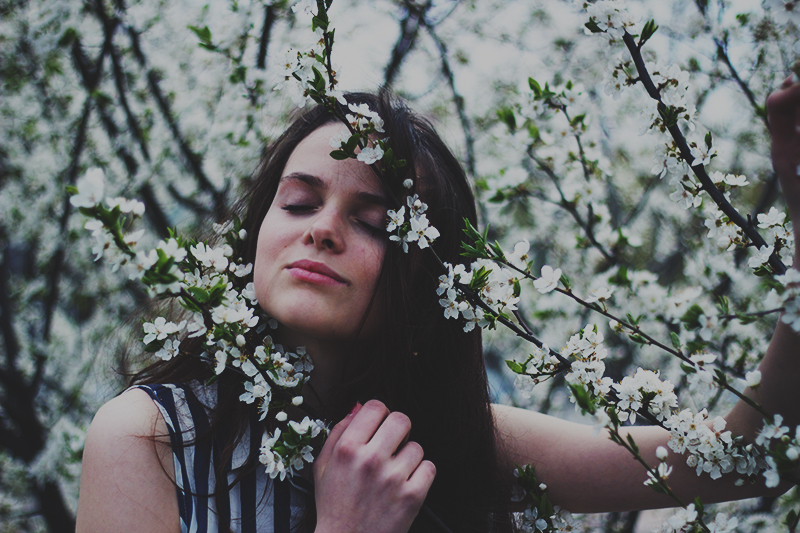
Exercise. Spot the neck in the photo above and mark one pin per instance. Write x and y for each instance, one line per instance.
(329, 359)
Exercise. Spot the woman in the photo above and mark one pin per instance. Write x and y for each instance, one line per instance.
(407, 386)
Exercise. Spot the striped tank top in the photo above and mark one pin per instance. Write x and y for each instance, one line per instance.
(256, 504)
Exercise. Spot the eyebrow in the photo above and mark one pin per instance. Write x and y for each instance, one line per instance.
(317, 183)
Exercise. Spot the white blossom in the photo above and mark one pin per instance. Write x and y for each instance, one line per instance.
(548, 280)
(370, 154)
(90, 189)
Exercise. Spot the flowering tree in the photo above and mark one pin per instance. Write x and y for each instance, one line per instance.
(619, 153)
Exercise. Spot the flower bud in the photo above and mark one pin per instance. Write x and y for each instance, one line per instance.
(240, 341)
(661, 453)
(242, 233)
(792, 454)
(297, 400)
(408, 184)
(281, 416)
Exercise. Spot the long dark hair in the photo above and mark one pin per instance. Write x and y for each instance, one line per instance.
(420, 363)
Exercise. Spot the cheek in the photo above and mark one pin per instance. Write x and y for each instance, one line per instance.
(266, 252)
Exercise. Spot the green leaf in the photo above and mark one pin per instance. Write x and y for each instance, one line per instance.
(746, 319)
(691, 318)
(534, 85)
(723, 304)
(695, 346)
(688, 369)
(198, 293)
(632, 443)
(515, 367)
(339, 155)
(593, 27)
(708, 140)
(638, 339)
(676, 341)
(791, 518)
(670, 115)
(583, 398)
(648, 31)
(763, 270)
(698, 504)
(506, 114)
(319, 22)
(154, 346)
(497, 197)
(204, 34)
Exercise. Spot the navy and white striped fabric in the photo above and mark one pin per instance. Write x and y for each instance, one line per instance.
(256, 504)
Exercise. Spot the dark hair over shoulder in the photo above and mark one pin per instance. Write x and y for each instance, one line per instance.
(420, 363)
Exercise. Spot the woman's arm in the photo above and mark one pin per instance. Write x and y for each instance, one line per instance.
(586, 472)
(126, 482)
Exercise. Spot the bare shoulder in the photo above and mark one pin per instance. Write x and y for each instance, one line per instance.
(127, 479)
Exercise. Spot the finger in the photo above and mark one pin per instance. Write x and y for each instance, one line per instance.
(787, 82)
(333, 437)
(392, 433)
(365, 423)
(408, 459)
(422, 478)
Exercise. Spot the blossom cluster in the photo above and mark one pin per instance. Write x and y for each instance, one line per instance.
(497, 287)
(689, 519)
(207, 280)
(708, 447)
(416, 228)
(782, 449)
(609, 16)
(645, 390)
(587, 369)
(285, 452)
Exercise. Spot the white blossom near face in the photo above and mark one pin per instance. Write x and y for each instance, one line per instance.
(321, 245)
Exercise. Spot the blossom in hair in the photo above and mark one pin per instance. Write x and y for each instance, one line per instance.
(370, 154)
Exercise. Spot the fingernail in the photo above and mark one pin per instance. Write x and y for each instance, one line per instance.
(355, 409)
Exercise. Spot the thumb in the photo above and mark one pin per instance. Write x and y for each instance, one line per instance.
(330, 443)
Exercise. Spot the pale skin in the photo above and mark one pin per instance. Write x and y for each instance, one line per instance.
(367, 477)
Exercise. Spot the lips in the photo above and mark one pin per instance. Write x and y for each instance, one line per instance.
(314, 272)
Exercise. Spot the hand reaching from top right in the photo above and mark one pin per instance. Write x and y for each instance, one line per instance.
(783, 110)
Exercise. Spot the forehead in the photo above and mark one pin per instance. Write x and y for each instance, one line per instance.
(312, 157)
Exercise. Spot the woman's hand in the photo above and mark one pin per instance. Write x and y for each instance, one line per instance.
(783, 110)
(367, 478)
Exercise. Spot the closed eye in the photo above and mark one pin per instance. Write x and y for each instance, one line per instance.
(298, 208)
(372, 230)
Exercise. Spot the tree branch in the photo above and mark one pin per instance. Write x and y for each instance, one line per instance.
(699, 170)
(466, 125)
(266, 30)
(409, 28)
(191, 159)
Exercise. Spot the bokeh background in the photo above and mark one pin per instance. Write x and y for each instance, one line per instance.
(174, 100)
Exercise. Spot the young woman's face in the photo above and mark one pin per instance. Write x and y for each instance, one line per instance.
(321, 244)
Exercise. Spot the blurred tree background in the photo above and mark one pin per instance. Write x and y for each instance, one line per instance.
(174, 100)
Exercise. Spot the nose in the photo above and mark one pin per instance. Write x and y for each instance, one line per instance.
(325, 231)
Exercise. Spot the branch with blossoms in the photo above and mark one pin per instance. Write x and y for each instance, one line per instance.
(666, 119)
(207, 282)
